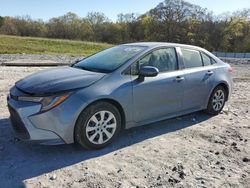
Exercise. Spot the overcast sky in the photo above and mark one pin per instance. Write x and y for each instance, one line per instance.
(46, 9)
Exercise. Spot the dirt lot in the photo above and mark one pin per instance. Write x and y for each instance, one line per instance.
(196, 150)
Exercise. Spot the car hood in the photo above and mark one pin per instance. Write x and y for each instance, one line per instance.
(57, 80)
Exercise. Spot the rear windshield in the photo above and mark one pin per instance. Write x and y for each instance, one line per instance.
(108, 60)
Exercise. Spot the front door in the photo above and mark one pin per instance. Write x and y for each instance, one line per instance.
(159, 96)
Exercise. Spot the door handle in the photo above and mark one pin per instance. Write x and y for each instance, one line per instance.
(209, 73)
(179, 78)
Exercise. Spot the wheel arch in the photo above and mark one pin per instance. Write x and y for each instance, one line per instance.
(225, 86)
(111, 101)
(117, 105)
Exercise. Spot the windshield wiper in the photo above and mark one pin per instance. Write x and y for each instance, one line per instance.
(83, 68)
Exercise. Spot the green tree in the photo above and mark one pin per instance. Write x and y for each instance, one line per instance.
(1, 21)
(235, 32)
(9, 27)
(170, 21)
(97, 21)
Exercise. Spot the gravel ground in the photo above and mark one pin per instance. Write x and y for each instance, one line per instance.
(196, 150)
(65, 59)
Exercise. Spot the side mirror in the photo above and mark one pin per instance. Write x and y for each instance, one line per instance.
(147, 71)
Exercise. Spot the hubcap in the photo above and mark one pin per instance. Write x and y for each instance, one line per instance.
(218, 100)
(101, 127)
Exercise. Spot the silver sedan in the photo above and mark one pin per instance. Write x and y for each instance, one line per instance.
(125, 86)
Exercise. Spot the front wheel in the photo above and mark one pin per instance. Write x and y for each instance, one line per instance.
(217, 100)
(98, 125)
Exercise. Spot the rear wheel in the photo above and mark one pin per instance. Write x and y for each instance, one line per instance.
(217, 100)
(98, 125)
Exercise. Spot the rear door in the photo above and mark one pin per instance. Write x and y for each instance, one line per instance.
(198, 77)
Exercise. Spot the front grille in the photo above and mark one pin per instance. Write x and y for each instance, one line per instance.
(17, 124)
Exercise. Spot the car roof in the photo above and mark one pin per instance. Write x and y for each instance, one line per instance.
(161, 44)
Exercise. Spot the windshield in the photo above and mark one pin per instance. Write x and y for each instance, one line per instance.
(108, 60)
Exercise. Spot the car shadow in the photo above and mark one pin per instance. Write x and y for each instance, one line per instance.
(20, 161)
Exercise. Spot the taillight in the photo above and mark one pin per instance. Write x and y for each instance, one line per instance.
(230, 69)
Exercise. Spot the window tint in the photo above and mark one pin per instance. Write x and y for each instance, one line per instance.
(206, 60)
(163, 59)
(192, 58)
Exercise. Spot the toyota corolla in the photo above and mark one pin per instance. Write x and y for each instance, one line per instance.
(125, 86)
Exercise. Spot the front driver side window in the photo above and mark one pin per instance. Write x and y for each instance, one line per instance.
(163, 59)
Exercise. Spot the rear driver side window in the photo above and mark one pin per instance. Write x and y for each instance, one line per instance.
(192, 58)
(206, 60)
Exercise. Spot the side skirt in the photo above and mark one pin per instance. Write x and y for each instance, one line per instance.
(169, 116)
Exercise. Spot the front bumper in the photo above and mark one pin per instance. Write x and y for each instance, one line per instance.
(23, 129)
(52, 127)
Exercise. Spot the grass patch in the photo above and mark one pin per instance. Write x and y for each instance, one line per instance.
(32, 45)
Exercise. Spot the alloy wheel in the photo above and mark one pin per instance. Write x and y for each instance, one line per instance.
(218, 100)
(101, 127)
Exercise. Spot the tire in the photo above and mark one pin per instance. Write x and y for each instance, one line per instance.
(217, 100)
(98, 125)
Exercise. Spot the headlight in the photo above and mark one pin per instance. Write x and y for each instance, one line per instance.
(51, 102)
(47, 102)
